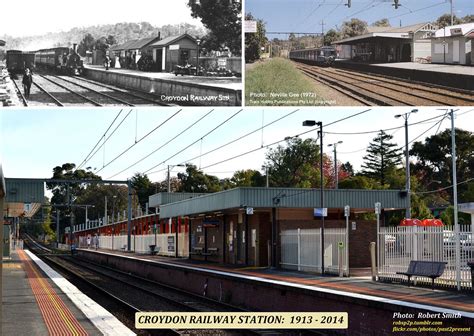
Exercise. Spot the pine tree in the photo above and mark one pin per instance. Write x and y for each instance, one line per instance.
(382, 156)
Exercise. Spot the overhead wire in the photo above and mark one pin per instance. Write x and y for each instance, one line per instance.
(139, 140)
(194, 123)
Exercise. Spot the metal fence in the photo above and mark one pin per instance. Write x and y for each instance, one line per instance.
(165, 243)
(397, 246)
(301, 250)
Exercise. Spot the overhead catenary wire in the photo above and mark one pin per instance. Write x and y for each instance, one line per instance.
(196, 141)
(139, 140)
(194, 123)
(98, 141)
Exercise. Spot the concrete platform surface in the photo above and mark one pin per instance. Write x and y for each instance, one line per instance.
(359, 286)
(443, 68)
(25, 280)
(232, 83)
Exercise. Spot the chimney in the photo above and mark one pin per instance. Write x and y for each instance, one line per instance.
(74, 47)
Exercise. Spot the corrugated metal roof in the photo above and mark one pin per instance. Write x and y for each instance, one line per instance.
(465, 28)
(2, 183)
(24, 190)
(165, 198)
(283, 198)
(172, 39)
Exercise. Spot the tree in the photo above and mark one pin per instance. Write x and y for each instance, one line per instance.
(247, 178)
(382, 23)
(223, 19)
(359, 182)
(445, 20)
(254, 41)
(68, 171)
(382, 157)
(331, 36)
(144, 188)
(468, 19)
(434, 160)
(194, 180)
(87, 44)
(295, 165)
(353, 28)
(348, 168)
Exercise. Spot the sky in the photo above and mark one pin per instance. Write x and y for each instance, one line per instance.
(34, 141)
(38, 17)
(305, 16)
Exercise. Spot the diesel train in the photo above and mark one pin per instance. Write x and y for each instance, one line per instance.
(324, 56)
(63, 60)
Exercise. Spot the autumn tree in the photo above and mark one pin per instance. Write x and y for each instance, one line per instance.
(354, 27)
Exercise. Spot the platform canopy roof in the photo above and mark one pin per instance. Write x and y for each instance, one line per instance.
(135, 44)
(465, 29)
(388, 32)
(171, 40)
(2, 43)
(2, 183)
(283, 198)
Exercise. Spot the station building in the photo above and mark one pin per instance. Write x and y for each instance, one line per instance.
(266, 226)
(454, 45)
(132, 51)
(174, 50)
(388, 44)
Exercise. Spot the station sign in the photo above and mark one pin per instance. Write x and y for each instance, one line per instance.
(456, 32)
(320, 212)
(249, 211)
(250, 26)
(174, 47)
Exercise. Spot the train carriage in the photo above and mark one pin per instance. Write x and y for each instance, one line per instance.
(18, 61)
(324, 56)
(62, 59)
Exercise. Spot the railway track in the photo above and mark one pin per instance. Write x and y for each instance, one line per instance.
(376, 90)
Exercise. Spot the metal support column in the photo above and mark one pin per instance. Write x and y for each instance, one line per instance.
(129, 218)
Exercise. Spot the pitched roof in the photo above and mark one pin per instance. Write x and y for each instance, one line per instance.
(171, 39)
(466, 29)
(134, 44)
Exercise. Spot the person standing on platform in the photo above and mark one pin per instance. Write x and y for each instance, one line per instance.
(107, 62)
(27, 81)
(88, 241)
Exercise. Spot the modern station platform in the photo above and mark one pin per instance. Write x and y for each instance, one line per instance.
(456, 76)
(359, 287)
(36, 300)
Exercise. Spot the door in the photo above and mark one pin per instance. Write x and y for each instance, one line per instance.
(456, 51)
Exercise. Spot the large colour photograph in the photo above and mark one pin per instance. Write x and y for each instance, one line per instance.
(96, 53)
(386, 53)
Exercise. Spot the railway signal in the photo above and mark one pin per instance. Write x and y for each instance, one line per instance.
(396, 3)
(348, 4)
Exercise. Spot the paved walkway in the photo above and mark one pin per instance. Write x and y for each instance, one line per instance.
(443, 68)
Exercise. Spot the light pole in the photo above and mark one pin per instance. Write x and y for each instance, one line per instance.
(311, 123)
(198, 42)
(168, 175)
(407, 158)
(336, 177)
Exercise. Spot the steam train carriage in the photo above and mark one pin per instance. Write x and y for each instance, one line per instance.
(324, 56)
(18, 61)
(63, 59)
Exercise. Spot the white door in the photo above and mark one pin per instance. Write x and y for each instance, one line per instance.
(456, 51)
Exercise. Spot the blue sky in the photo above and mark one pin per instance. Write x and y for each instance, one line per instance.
(306, 15)
(34, 141)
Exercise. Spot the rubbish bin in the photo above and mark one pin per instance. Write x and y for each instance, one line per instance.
(471, 265)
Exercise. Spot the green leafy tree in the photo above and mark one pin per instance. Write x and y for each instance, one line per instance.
(468, 19)
(382, 157)
(354, 27)
(194, 180)
(254, 41)
(434, 161)
(294, 165)
(331, 36)
(382, 23)
(247, 178)
(445, 20)
(144, 188)
(223, 19)
(359, 182)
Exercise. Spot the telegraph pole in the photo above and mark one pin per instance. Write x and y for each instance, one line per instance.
(455, 201)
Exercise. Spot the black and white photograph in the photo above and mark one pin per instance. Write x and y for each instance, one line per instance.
(121, 53)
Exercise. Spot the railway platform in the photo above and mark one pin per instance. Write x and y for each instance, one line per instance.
(38, 301)
(266, 289)
(194, 90)
(455, 76)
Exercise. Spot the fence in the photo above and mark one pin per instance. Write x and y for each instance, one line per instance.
(165, 243)
(301, 250)
(399, 245)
